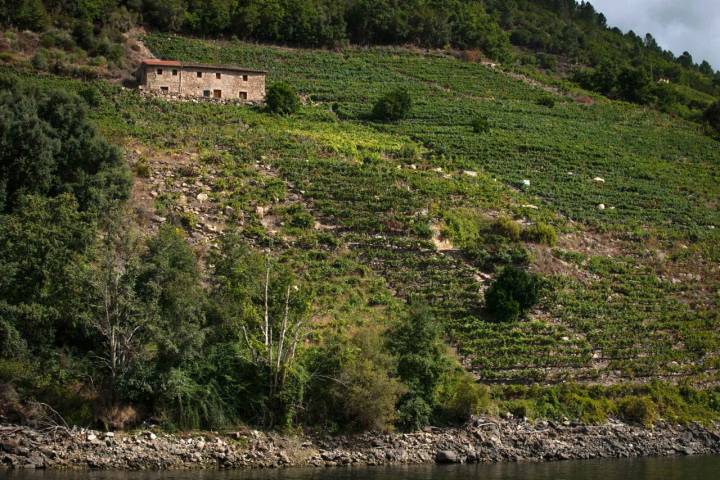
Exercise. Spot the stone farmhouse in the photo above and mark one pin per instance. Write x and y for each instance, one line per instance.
(201, 80)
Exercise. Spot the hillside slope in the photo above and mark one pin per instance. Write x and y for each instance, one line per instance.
(367, 246)
(635, 284)
(628, 301)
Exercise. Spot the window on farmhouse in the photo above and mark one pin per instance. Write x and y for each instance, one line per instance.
(217, 93)
(159, 71)
(199, 74)
(174, 73)
(243, 95)
(163, 89)
(244, 78)
(206, 93)
(217, 75)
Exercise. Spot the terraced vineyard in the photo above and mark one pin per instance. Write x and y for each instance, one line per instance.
(635, 285)
(632, 308)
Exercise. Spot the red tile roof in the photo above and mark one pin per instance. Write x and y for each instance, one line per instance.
(174, 63)
(161, 63)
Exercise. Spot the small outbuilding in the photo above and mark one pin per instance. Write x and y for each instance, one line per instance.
(202, 80)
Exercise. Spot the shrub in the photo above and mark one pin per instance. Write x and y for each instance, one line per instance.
(142, 168)
(57, 38)
(91, 95)
(546, 61)
(461, 397)
(422, 229)
(40, 61)
(105, 47)
(521, 408)
(541, 233)
(371, 391)
(298, 217)
(637, 409)
(508, 228)
(546, 102)
(354, 386)
(393, 106)
(409, 152)
(189, 220)
(480, 125)
(282, 99)
(512, 294)
(414, 413)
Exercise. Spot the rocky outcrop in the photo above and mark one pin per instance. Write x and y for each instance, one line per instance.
(482, 440)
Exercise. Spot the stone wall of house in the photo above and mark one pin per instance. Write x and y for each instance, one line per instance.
(228, 84)
(157, 78)
(232, 85)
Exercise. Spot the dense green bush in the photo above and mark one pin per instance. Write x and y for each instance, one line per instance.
(422, 229)
(547, 61)
(354, 387)
(638, 409)
(546, 101)
(282, 99)
(414, 413)
(541, 233)
(393, 106)
(461, 396)
(40, 60)
(512, 294)
(480, 124)
(59, 39)
(91, 95)
(508, 227)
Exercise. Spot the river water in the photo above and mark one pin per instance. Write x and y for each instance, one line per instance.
(674, 468)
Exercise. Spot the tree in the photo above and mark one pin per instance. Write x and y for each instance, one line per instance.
(512, 294)
(422, 365)
(170, 278)
(377, 21)
(686, 60)
(41, 243)
(266, 308)
(166, 15)
(393, 106)
(353, 384)
(211, 17)
(706, 68)
(633, 85)
(118, 315)
(712, 116)
(180, 389)
(31, 15)
(651, 44)
(282, 99)
(48, 146)
(472, 27)
(27, 150)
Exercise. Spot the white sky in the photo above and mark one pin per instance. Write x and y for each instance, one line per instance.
(677, 25)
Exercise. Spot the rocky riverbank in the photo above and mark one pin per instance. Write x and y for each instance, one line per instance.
(482, 440)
